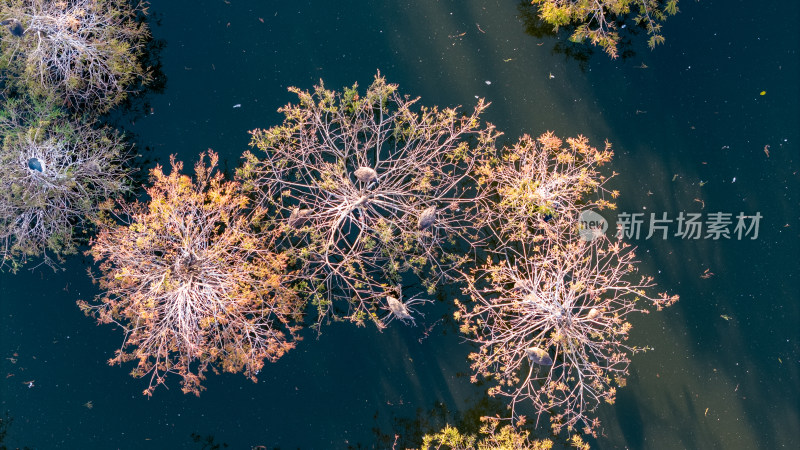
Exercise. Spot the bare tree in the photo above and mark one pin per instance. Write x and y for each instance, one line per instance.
(550, 307)
(190, 282)
(85, 51)
(597, 20)
(368, 188)
(552, 326)
(55, 178)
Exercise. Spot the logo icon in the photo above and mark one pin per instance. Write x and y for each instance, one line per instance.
(591, 225)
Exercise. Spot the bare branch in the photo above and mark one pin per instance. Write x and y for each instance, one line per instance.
(367, 189)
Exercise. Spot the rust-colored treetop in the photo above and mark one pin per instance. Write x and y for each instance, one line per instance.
(552, 326)
(191, 283)
(369, 186)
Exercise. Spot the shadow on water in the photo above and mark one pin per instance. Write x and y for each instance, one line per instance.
(629, 414)
(5, 424)
(207, 442)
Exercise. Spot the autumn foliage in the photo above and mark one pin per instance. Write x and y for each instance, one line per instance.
(537, 188)
(491, 436)
(191, 284)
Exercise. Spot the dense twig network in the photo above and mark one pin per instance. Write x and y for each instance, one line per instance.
(190, 282)
(55, 178)
(552, 326)
(85, 51)
(367, 190)
(549, 308)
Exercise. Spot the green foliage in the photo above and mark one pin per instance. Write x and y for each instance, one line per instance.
(490, 437)
(87, 53)
(46, 209)
(597, 21)
(363, 167)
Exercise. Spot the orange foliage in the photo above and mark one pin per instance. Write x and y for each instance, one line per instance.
(190, 282)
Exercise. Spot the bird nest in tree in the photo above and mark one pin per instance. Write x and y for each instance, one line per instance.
(55, 179)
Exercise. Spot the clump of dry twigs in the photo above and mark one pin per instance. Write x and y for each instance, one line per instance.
(550, 308)
(56, 177)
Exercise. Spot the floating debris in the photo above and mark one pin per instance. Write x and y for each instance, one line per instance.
(427, 218)
(238, 105)
(539, 356)
(365, 174)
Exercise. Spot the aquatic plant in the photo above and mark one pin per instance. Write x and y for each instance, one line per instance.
(597, 21)
(84, 51)
(191, 283)
(368, 187)
(55, 178)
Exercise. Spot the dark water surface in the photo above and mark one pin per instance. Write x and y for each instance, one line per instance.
(686, 120)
